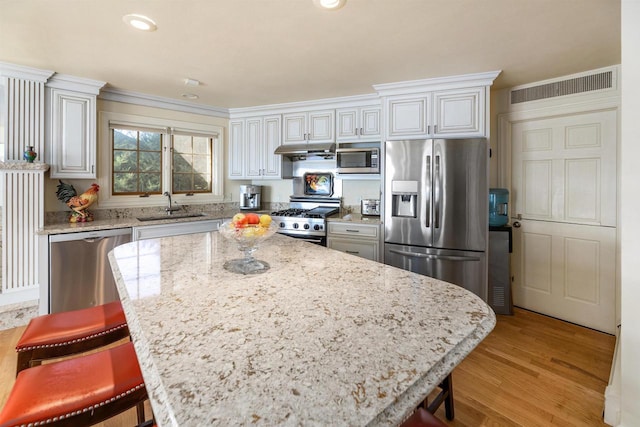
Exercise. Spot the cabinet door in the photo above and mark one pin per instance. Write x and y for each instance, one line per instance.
(295, 130)
(459, 113)
(253, 144)
(320, 126)
(358, 124)
(370, 123)
(272, 163)
(73, 134)
(408, 117)
(364, 249)
(236, 149)
(347, 124)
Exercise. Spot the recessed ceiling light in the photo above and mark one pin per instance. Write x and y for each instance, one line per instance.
(140, 22)
(330, 4)
(190, 96)
(191, 82)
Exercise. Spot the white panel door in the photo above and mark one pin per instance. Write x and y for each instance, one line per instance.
(254, 147)
(236, 149)
(272, 138)
(295, 128)
(370, 125)
(566, 271)
(563, 195)
(321, 126)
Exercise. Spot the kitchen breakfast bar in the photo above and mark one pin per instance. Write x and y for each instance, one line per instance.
(321, 338)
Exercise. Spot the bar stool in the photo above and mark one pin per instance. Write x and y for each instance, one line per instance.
(81, 391)
(445, 395)
(70, 332)
(422, 418)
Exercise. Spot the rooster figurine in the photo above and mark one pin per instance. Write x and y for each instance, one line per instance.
(78, 204)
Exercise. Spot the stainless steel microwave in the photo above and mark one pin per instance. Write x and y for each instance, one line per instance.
(358, 160)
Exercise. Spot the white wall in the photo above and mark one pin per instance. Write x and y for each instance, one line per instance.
(630, 213)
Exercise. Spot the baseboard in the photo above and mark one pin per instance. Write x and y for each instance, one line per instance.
(613, 390)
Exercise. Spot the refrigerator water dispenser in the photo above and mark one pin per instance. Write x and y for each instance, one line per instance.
(404, 199)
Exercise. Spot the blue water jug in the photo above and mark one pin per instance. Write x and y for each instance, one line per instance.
(498, 206)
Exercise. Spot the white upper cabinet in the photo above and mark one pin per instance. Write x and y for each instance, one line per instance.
(252, 142)
(236, 149)
(408, 116)
(449, 113)
(458, 112)
(358, 124)
(450, 107)
(312, 126)
(71, 126)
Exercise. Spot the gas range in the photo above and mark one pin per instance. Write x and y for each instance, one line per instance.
(306, 218)
(303, 222)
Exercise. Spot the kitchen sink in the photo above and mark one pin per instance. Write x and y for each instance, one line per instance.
(173, 216)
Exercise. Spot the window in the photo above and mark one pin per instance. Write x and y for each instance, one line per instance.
(143, 159)
(137, 162)
(191, 164)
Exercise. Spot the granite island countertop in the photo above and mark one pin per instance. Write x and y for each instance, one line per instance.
(319, 339)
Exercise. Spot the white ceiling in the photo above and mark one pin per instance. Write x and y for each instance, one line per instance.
(259, 52)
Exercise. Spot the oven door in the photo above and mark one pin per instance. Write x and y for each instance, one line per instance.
(316, 240)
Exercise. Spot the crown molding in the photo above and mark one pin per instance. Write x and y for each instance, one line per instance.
(136, 98)
(79, 84)
(24, 73)
(294, 107)
(439, 83)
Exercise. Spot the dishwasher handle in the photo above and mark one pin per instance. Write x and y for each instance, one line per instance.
(93, 239)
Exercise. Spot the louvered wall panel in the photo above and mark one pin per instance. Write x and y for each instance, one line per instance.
(564, 87)
(25, 118)
(23, 216)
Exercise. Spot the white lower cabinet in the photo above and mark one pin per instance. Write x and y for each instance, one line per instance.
(358, 239)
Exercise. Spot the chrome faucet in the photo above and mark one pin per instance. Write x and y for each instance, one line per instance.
(170, 208)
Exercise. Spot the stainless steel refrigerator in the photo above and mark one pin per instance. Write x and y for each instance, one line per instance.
(435, 214)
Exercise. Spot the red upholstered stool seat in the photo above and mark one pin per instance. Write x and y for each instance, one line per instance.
(422, 418)
(81, 391)
(70, 332)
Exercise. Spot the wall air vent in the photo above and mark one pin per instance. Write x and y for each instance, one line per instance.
(588, 83)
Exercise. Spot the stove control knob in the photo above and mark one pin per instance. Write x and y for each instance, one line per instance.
(282, 225)
(317, 227)
(306, 226)
(295, 226)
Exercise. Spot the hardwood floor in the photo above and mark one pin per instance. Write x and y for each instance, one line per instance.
(532, 370)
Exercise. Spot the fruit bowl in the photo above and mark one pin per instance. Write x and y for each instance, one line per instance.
(247, 237)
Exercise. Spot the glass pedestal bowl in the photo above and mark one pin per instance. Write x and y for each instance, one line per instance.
(247, 238)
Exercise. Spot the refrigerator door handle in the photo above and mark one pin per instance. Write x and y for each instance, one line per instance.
(428, 193)
(436, 257)
(438, 193)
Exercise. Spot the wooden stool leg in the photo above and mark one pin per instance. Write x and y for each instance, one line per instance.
(140, 412)
(447, 385)
(445, 395)
(24, 361)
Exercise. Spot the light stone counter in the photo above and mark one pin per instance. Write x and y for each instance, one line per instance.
(320, 339)
(111, 223)
(355, 218)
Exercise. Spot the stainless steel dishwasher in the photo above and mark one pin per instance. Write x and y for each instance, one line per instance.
(79, 272)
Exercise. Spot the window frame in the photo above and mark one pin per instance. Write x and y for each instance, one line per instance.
(109, 120)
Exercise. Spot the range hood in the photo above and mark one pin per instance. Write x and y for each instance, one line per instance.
(325, 150)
